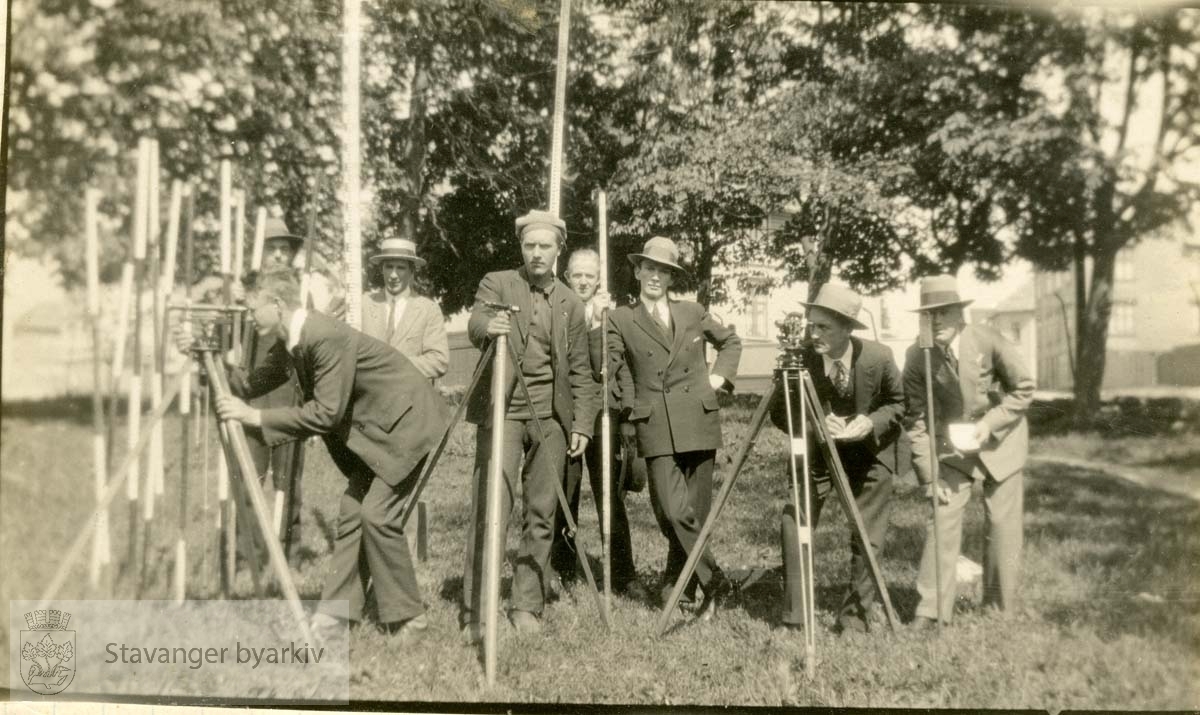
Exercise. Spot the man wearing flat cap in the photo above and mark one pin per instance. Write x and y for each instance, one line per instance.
(981, 390)
(549, 335)
(410, 323)
(859, 387)
(669, 405)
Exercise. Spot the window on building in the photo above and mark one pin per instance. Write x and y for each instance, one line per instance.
(1121, 323)
(1123, 271)
(758, 315)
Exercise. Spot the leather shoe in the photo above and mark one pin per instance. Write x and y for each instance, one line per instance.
(327, 627)
(714, 597)
(633, 590)
(924, 624)
(849, 623)
(411, 628)
(525, 622)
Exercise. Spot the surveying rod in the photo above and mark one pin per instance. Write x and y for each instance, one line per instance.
(606, 500)
(101, 548)
(135, 384)
(925, 342)
(154, 455)
(226, 526)
(495, 486)
(179, 583)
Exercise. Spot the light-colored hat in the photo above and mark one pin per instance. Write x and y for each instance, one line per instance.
(401, 249)
(541, 219)
(660, 250)
(939, 292)
(276, 227)
(841, 300)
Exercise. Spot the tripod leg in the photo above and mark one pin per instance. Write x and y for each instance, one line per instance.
(563, 502)
(842, 485)
(689, 568)
(436, 454)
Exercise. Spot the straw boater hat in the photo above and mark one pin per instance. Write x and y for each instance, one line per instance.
(398, 249)
(939, 292)
(660, 250)
(542, 219)
(275, 227)
(841, 300)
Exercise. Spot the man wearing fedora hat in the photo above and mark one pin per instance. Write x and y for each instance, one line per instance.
(549, 336)
(669, 405)
(410, 323)
(861, 393)
(981, 385)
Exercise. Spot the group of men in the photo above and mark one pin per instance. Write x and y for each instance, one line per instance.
(369, 393)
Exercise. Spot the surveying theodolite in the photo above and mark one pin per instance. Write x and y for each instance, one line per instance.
(213, 329)
(805, 417)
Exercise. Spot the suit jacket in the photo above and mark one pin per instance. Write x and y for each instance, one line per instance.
(420, 336)
(878, 394)
(664, 384)
(993, 385)
(576, 394)
(363, 397)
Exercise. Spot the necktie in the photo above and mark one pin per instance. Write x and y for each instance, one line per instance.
(391, 328)
(840, 379)
(951, 360)
(663, 325)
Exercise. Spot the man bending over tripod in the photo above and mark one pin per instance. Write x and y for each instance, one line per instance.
(860, 390)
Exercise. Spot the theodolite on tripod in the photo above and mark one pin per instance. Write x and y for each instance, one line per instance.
(792, 375)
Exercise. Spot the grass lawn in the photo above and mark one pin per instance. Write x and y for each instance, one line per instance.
(1111, 617)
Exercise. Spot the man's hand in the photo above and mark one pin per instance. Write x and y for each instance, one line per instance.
(856, 428)
(499, 325)
(716, 381)
(835, 425)
(943, 492)
(982, 432)
(181, 335)
(629, 434)
(231, 408)
(237, 291)
(579, 443)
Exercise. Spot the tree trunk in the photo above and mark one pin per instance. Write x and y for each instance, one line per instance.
(1093, 335)
(704, 269)
(415, 145)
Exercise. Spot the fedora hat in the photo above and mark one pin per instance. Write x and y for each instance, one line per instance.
(276, 227)
(541, 219)
(660, 250)
(939, 292)
(398, 249)
(841, 300)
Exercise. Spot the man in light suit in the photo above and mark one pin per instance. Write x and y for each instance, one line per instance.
(669, 405)
(859, 387)
(549, 336)
(379, 418)
(394, 314)
(979, 379)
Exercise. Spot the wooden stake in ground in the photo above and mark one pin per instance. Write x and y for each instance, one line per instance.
(141, 214)
(101, 548)
(351, 158)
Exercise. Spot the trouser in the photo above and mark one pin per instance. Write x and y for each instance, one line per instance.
(542, 470)
(279, 460)
(371, 546)
(562, 553)
(1003, 508)
(872, 487)
(681, 495)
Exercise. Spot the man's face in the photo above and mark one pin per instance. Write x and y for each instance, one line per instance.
(655, 278)
(267, 315)
(539, 248)
(948, 321)
(830, 334)
(277, 253)
(583, 275)
(397, 274)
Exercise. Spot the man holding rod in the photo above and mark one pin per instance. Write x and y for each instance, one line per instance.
(549, 337)
(981, 392)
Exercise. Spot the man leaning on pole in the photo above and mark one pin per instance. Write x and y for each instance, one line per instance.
(981, 391)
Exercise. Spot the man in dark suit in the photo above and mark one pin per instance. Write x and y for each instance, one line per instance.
(379, 418)
(669, 405)
(583, 275)
(859, 387)
(550, 338)
(982, 387)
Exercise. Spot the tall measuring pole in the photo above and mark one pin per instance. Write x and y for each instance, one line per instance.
(140, 219)
(101, 554)
(560, 107)
(606, 495)
(351, 159)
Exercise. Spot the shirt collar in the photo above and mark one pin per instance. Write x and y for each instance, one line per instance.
(546, 288)
(398, 298)
(845, 360)
(294, 327)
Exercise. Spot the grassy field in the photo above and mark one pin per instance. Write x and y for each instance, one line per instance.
(1111, 617)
